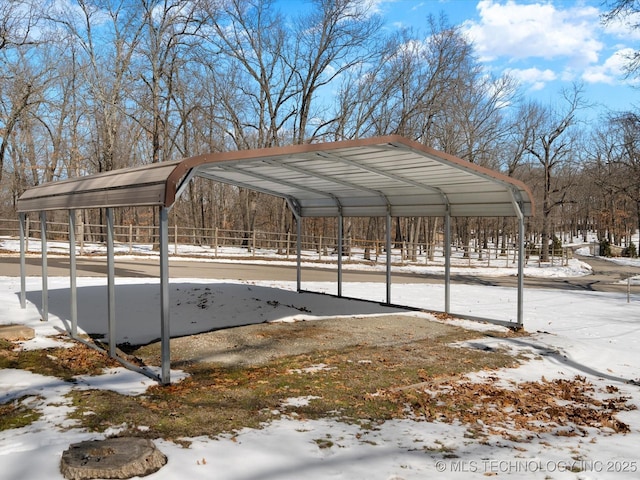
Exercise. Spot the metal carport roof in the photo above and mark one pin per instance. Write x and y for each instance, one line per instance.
(381, 176)
(369, 177)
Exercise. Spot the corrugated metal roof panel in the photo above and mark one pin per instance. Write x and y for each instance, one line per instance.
(138, 186)
(366, 177)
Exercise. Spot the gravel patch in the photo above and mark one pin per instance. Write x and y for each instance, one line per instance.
(258, 344)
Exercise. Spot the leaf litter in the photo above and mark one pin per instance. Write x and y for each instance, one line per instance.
(564, 407)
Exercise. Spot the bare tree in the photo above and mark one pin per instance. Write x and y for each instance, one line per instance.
(254, 85)
(629, 126)
(361, 103)
(409, 87)
(251, 43)
(107, 54)
(617, 165)
(18, 96)
(278, 69)
(18, 18)
(551, 143)
(170, 34)
(625, 11)
(335, 37)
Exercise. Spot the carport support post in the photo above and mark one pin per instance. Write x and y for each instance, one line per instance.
(72, 273)
(388, 247)
(520, 268)
(518, 208)
(23, 266)
(45, 274)
(298, 252)
(295, 209)
(340, 243)
(111, 297)
(165, 332)
(447, 261)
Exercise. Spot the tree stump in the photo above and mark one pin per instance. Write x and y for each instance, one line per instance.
(15, 333)
(125, 457)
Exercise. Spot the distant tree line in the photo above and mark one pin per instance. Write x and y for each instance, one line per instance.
(89, 86)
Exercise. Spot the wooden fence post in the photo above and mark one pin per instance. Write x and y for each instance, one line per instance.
(130, 238)
(175, 239)
(288, 243)
(26, 235)
(81, 235)
(253, 244)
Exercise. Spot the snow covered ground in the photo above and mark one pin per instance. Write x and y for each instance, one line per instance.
(595, 335)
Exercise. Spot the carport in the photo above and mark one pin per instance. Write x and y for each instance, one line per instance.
(375, 177)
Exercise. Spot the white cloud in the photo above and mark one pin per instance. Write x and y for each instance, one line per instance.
(534, 78)
(372, 6)
(624, 27)
(536, 30)
(611, 70)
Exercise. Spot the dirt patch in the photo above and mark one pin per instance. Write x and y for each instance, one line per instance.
(258, 344)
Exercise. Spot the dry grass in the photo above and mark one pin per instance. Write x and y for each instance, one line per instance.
(64, 363)
(17, 414)
(218, 399)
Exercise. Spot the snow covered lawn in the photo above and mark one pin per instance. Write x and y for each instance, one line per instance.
(594, 336)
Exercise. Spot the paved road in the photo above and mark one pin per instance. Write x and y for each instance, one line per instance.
(605, 277)
(144, 267)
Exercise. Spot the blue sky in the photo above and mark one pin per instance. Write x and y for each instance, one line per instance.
(546, 45)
